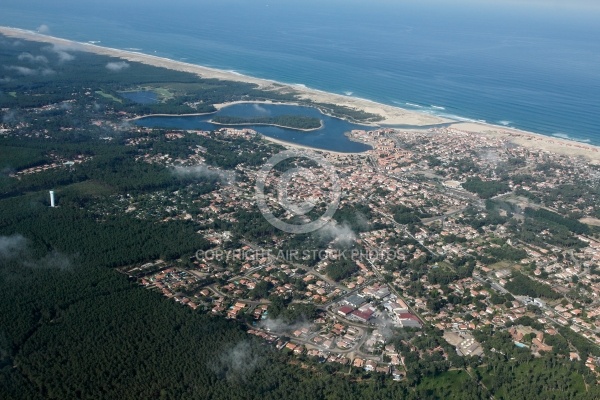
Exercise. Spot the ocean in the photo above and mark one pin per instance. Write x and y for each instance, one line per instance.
(525, 66)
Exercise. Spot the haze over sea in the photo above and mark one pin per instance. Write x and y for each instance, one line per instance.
(533, 67)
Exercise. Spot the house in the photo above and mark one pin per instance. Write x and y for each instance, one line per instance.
(362, 315)
(370, 365)
(355, 301)
(345, 310)
(409, 320)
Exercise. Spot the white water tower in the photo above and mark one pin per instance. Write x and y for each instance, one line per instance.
(52, 201)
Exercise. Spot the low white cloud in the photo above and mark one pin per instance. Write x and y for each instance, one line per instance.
(261, 109)
(25, 71)
(53, 260)
(117, 66)
(22, 70)
(43, 29)
(237, 362)
(31, 58)
(16, 247)
(203, 171)
(47, 71)
(342, 234)
(9, 117)
(278, 325)
(12, 246)
(62, 51)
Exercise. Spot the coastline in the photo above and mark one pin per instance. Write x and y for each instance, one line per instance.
(570, 148)
(392, 115)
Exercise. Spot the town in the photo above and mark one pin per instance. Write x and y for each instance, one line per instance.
(462, 259)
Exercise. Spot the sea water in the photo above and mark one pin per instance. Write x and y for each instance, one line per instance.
(530, 67)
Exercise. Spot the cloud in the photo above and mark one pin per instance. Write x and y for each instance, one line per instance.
(47, 72)
(342, 234)
(278, 325)
(361, 221)
(7, 171)
(21, 70)
(261, 109)
(63, 56)
(62, 52)
(238, 362)
(117, 66)
(65, 106)
(52, 260)
(31, 58)
(16, 247)
(6, 79)
(43, 29)
(9, 117)
(203, 171)
(12, 246)
(28, 71)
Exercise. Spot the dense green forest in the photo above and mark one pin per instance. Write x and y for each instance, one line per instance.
(522, 285)
(286, 121)
(550, 217)
(485, 189)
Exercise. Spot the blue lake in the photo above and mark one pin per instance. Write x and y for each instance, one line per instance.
(331, 136)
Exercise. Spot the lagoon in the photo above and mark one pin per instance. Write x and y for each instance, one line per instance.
(331, 136)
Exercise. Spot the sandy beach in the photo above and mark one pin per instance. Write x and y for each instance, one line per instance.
(534, 140)
(391, 115)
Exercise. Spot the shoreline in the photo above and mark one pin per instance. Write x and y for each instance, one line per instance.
(267, 124)
(392, 115)
(170, 115)
(317, 150)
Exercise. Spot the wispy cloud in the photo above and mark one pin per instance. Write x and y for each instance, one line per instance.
(16, 247)
(62, 52)
(12, 246)
(44, 29)
(261, 109)
(25, 71)
(117, 66)
(47, 71)
(342, 234)
(31, 58)
(21, 70)
(203, 171)
(9, 117)
(237, 362)
(53, 260)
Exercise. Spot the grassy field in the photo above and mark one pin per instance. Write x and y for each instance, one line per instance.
(108, 96)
